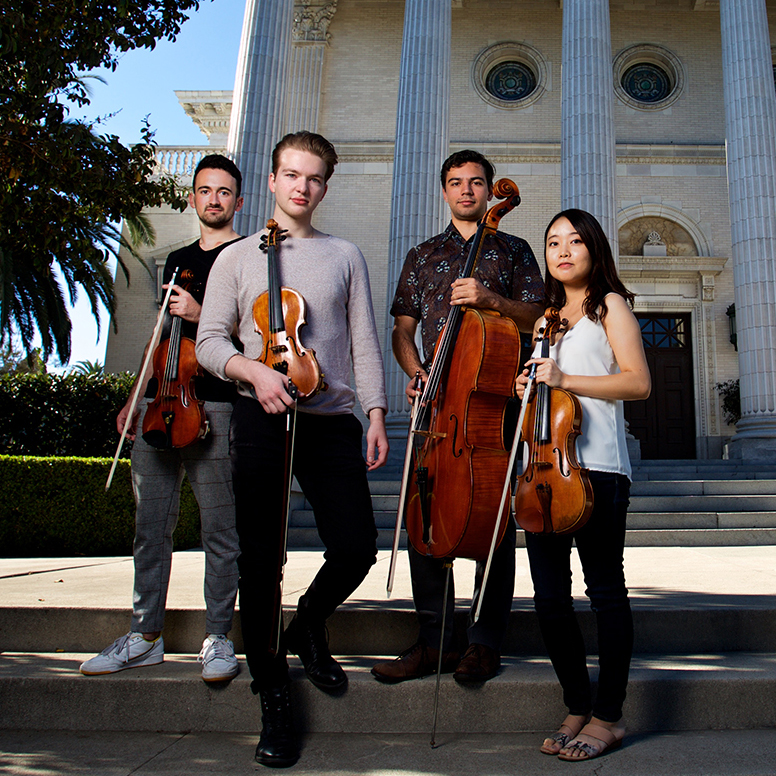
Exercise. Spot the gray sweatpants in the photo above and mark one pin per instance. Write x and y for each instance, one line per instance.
(156, 480)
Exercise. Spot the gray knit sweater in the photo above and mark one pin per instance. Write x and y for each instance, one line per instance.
(332, 276)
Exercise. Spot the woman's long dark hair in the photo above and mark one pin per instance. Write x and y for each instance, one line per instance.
(603, 274)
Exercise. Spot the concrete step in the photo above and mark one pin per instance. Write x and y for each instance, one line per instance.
(689, 531)
(666, 624)
(699, 692)
(705, 487)
(716, 503)
(706, 468)
(720, 537)
(682, 512)
(700, 520)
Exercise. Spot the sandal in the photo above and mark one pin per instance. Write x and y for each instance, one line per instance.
(584, 750)
(569, 728)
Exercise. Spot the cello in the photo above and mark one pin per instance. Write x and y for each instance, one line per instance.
(175, 417)
(458, 433)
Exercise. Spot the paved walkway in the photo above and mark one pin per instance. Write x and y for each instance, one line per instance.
(57, 753)
(667, 577)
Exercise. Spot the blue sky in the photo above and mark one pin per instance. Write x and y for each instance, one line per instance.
(204, 56)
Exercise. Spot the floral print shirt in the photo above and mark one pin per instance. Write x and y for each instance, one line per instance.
(507, 267)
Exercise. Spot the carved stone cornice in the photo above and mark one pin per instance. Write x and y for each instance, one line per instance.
(209, 110)
(670, 268)
(312, 19)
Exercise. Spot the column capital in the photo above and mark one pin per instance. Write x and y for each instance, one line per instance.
(312, 19)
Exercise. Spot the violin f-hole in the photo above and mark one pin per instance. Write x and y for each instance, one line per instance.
(559, 454)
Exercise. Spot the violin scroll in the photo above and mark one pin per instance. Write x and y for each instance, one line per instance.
(275, 235)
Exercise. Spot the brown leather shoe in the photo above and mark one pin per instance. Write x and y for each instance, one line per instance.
(414, 663)
(478, 664)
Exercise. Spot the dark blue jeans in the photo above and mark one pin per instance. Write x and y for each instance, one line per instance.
(600, 545)
(330, 467)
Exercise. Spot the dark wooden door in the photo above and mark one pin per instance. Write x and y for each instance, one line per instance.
(665, 422)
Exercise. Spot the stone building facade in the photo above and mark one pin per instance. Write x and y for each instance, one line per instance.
(626, 108)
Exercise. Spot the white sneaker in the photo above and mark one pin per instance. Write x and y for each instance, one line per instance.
(217, 657)
(130, 651)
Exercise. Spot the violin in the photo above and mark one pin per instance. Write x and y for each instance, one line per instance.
(458, 432)
(553, 493)
(176, 417)
(278, 315)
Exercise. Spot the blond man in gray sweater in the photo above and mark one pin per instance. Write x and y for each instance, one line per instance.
(331, 275)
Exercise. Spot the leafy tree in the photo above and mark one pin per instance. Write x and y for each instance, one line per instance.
(63, 186)
(13, 362)
(730, 391)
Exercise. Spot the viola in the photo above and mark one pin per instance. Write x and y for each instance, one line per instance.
(176, 417)
(458, 433)
(278, 315)
(553, 493)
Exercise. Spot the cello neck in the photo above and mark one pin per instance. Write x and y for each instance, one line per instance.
(447, 342)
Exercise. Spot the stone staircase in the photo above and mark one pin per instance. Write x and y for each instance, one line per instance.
(681, 503)
(702, 662)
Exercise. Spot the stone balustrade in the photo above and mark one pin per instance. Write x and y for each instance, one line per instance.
(180, 161)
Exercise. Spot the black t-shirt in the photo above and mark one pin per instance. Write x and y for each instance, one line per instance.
(194, 265)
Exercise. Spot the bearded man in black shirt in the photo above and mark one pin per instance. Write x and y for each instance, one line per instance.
(157, 473)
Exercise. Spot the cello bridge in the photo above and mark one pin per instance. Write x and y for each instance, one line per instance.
(430, 434)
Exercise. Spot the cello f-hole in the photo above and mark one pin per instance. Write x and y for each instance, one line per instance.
(456, 453)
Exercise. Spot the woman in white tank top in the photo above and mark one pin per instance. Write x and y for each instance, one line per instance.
(601, 360)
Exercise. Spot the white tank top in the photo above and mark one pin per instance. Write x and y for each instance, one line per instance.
(585, 350)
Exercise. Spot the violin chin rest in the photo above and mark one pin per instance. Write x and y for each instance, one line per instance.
(157, 439)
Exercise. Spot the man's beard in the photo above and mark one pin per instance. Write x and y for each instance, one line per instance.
(215, 219)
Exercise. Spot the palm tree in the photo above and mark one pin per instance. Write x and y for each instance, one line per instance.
(88, 369)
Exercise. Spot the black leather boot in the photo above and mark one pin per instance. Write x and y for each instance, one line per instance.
(311, 643)
(277, 744)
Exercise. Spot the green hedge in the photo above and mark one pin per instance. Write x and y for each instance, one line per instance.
(59, 507)
(48, 414)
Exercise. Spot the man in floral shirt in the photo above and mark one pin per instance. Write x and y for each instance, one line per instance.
(507, 280)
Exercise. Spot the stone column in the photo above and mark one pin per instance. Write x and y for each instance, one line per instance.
(310, 37)
(422, 129)
(588, 157)
(750, 125)
(258, 107)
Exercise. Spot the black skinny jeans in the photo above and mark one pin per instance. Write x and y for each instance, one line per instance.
(330, 467)
(600, 545)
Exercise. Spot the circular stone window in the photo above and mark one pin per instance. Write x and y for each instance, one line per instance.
(648, 77)
(509, 75)
(646, 83)
(510, 81)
